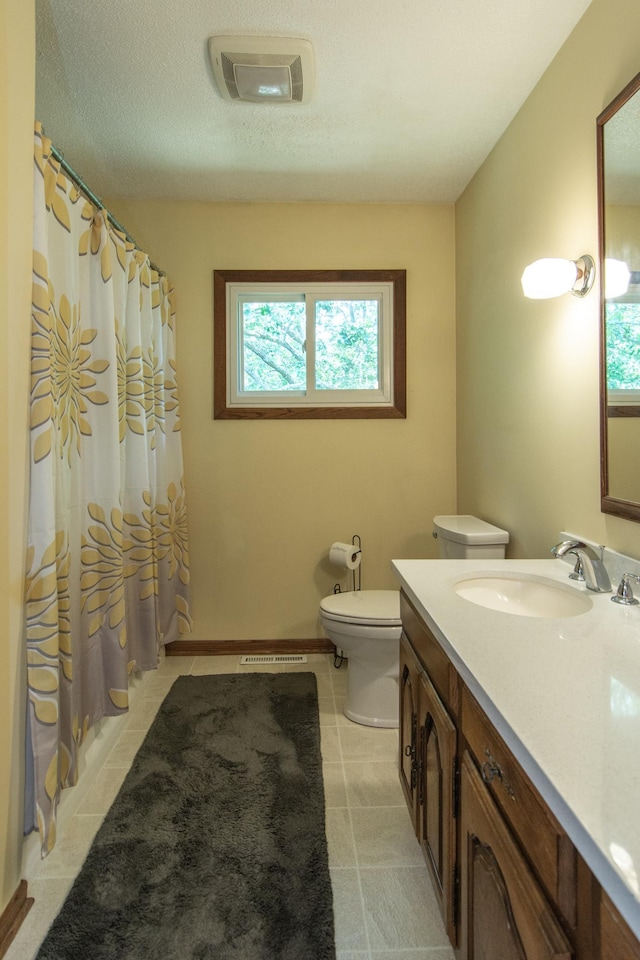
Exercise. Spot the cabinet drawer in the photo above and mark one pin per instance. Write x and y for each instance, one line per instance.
(548, 847)
(432, 657)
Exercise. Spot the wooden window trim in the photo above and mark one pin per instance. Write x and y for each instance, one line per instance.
(626, 410)
(398, 410)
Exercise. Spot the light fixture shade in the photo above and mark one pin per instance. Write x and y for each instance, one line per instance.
(263, 69)
(260, 83)
(617, 277)
(549, 277)
(553, 276)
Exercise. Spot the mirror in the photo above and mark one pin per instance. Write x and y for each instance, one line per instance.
(618, 132)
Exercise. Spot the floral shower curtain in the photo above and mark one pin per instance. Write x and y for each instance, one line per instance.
(107, 562)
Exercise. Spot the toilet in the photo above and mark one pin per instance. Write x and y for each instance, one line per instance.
(365, 625)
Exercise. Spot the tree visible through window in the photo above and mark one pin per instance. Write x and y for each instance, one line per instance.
(309, 344)
(623, 346)
(274, 341)
(347, 345)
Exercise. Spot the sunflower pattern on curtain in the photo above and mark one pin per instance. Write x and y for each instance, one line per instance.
(107, 562)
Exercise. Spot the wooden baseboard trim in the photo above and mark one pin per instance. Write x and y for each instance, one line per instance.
(13, 915)
(213, 648)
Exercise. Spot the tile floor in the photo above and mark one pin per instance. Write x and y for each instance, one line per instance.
(383, 902)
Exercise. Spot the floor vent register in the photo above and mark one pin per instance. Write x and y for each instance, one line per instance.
(279, 658)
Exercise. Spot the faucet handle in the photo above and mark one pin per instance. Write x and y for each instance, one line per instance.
(578, 570)
(624, 594)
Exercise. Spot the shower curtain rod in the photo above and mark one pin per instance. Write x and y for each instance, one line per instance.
(90, 195)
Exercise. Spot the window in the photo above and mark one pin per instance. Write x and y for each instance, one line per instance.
(309, 343)
(622, 325)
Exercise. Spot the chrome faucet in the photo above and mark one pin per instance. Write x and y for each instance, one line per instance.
(595, 575)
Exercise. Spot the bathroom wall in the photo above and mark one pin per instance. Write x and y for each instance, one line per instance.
(17, 65)
(266, 499)
(527, 371)
(624, 454)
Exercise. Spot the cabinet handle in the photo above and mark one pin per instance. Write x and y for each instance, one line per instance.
(491, 770)
(408, 750)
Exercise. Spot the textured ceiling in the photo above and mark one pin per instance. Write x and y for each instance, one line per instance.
(622, 154)
(410, 97)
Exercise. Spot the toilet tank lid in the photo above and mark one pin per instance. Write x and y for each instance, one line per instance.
(364, 605)
(468, 529)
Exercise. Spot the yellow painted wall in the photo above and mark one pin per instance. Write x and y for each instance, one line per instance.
(623, 233)
(17, 65)
(527, 372)
(623, 435)
(267, 499)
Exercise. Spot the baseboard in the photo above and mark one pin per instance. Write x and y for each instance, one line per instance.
(13, 915)
(213, 648)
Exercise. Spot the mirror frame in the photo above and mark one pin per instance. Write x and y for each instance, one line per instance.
(626, 509)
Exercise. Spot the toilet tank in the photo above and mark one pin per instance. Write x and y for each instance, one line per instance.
(469, 538)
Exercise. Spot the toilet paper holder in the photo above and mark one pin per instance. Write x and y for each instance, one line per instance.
(357, 573)
(339, 658)
(356, 543)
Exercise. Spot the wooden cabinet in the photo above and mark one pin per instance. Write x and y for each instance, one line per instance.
(408, 727)
(437, 784)
(510, 883)
(548, 848)
(428, 756)
(504, 913)
(616, 939)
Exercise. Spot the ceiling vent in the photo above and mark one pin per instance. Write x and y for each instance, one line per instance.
(263, 69)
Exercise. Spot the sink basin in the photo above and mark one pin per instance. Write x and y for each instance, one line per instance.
(522, 595)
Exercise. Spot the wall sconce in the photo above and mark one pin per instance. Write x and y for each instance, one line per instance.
(552, 276)
(617, 278)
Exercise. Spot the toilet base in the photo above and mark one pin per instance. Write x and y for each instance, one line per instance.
(369, 721)
(372, 700)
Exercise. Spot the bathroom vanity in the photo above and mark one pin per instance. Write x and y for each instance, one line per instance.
(520, 758)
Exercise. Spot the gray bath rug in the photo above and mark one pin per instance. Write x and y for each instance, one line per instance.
(215, 846)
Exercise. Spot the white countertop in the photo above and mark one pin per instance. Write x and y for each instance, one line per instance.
(565, 696)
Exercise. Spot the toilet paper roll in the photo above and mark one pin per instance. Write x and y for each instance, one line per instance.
(345, 555)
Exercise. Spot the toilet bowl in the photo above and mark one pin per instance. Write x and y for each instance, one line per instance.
(366, 626)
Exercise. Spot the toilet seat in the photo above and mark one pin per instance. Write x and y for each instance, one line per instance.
(366, 607)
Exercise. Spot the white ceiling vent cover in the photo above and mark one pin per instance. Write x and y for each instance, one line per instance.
(263, 69)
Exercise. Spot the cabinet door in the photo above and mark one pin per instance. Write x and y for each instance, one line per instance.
(436, 808)
(504, 914)
(409, 673)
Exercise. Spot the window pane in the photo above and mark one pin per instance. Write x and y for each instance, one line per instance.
(623, 345)
(273, 351)
(347, 345)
